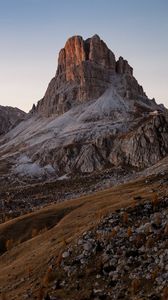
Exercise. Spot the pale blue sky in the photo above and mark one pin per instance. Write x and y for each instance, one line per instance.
(33, 31)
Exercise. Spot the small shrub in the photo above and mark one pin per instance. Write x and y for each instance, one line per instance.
(148, 229)
(157, 219)
(154, 274)
(59, 258)
(135, 285)
(125, 217)
(166, 230)
(149, 242)
(113, 233)
(139, 240)
(129, 231)
(165, 293)
(34, 232)
(44, 229)
(49, 277)
(18, 242)
(99, 236)
(99, 216)
(64, 242)
(9, 244)
(30, 271)
(155, 200)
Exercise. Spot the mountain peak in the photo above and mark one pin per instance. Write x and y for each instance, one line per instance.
(78, 50)
(86, 69)
(96, 36)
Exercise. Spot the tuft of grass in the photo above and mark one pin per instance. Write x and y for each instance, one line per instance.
(49, 277)
(129, 231)
(59, 258)
(155, 200)
(125, 218)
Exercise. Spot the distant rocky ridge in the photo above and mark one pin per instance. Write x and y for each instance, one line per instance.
(9, 118)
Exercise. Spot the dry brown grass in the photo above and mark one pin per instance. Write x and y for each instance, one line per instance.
(67, 221)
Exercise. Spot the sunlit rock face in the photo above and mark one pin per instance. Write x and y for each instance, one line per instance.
(86, 68)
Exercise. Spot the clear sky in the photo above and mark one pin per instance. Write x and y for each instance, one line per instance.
(33, 31)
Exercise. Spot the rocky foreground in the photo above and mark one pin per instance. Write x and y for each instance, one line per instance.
(124, 257)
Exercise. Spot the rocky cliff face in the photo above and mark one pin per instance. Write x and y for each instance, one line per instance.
(9, 118)
(86, 68)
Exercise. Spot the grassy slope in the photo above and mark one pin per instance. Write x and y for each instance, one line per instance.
(66, 221)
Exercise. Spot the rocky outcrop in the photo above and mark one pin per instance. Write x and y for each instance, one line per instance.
(139, 147)
(122, 67)
(86, 68)
(9, 118)
(144, 146)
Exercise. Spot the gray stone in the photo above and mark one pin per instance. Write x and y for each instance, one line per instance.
(65, 254)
